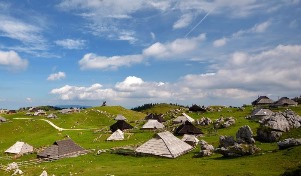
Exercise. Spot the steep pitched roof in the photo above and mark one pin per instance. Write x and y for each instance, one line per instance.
(284, 101)
(2, 119)
(152, 124)
(164, 144)
(61, 149)
(189, 138)
(262, 100)
(261, 112)
(120, 117)
(158, 117)
(183, 118)
(120, 124)
(196, 108)
(19, 148)
(187, 128)
(116, 136)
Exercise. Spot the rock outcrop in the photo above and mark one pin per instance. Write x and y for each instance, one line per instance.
(287, 143)
(226, 141)
(206, 149)
(238, 150)
(244, 144)
(271, 128)
(245, 135)
(224, 122)
(204, 121)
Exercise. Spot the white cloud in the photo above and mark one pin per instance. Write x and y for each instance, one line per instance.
(272, 71)
(239, 78)
(128, 36)
(184, 21)
(56, 76)
(26, 33)
(92, 61)
(257, 28)
(12, 61)
(94, 92)
(71, 43)
(176, 48)
(220, 42)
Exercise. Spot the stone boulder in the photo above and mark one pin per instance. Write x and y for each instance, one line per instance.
(266, 134)
(224, 122)
(238, 150)
(226, 141)
(206, 149)
(293, 119)
(287, 143)
(12, 166)
(245, 135)
(204, 121)
(277, 122)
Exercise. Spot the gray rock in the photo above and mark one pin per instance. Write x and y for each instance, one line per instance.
(290, 142)
(205, 146)
(245, 135)
(205, 121)
(205, 153)
(226, 141)
(238, 150)
(266, 134)
(277, 122)
(206, 149)
(224, 122)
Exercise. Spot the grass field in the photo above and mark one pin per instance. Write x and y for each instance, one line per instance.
(37, 133)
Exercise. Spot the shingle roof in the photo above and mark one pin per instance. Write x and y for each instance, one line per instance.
(2, 119)
(61, 149)
(261, 112)
(262, 100)
(152, 124)
(285, 101)
(120, 124)
(183, 118)
(187, 128)
(116, 136)
(164, 144)
(158, 117)
(120, 117)
(19, 148)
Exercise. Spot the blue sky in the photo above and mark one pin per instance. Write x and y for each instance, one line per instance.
(133, 52)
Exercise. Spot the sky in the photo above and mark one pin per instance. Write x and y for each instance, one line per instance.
(128, 53)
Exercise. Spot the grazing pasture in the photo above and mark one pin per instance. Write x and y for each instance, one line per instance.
(39, 134)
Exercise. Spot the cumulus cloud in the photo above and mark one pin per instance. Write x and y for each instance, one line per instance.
(272, 71)
(176, 48)
(71, 43)
(12, 61)
(56, 76)
(93, 92)
(220, 42)
(239, 77)
(92, 61)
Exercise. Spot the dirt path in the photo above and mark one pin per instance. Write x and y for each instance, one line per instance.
(54, 126)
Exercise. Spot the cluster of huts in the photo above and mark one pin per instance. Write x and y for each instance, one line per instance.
(266, 101)
(164, 143)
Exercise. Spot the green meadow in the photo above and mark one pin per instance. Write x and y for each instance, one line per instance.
(96, 122)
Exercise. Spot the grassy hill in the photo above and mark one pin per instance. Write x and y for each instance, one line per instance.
(97, 120)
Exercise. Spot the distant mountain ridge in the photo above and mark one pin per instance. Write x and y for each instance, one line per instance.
(73, 106)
